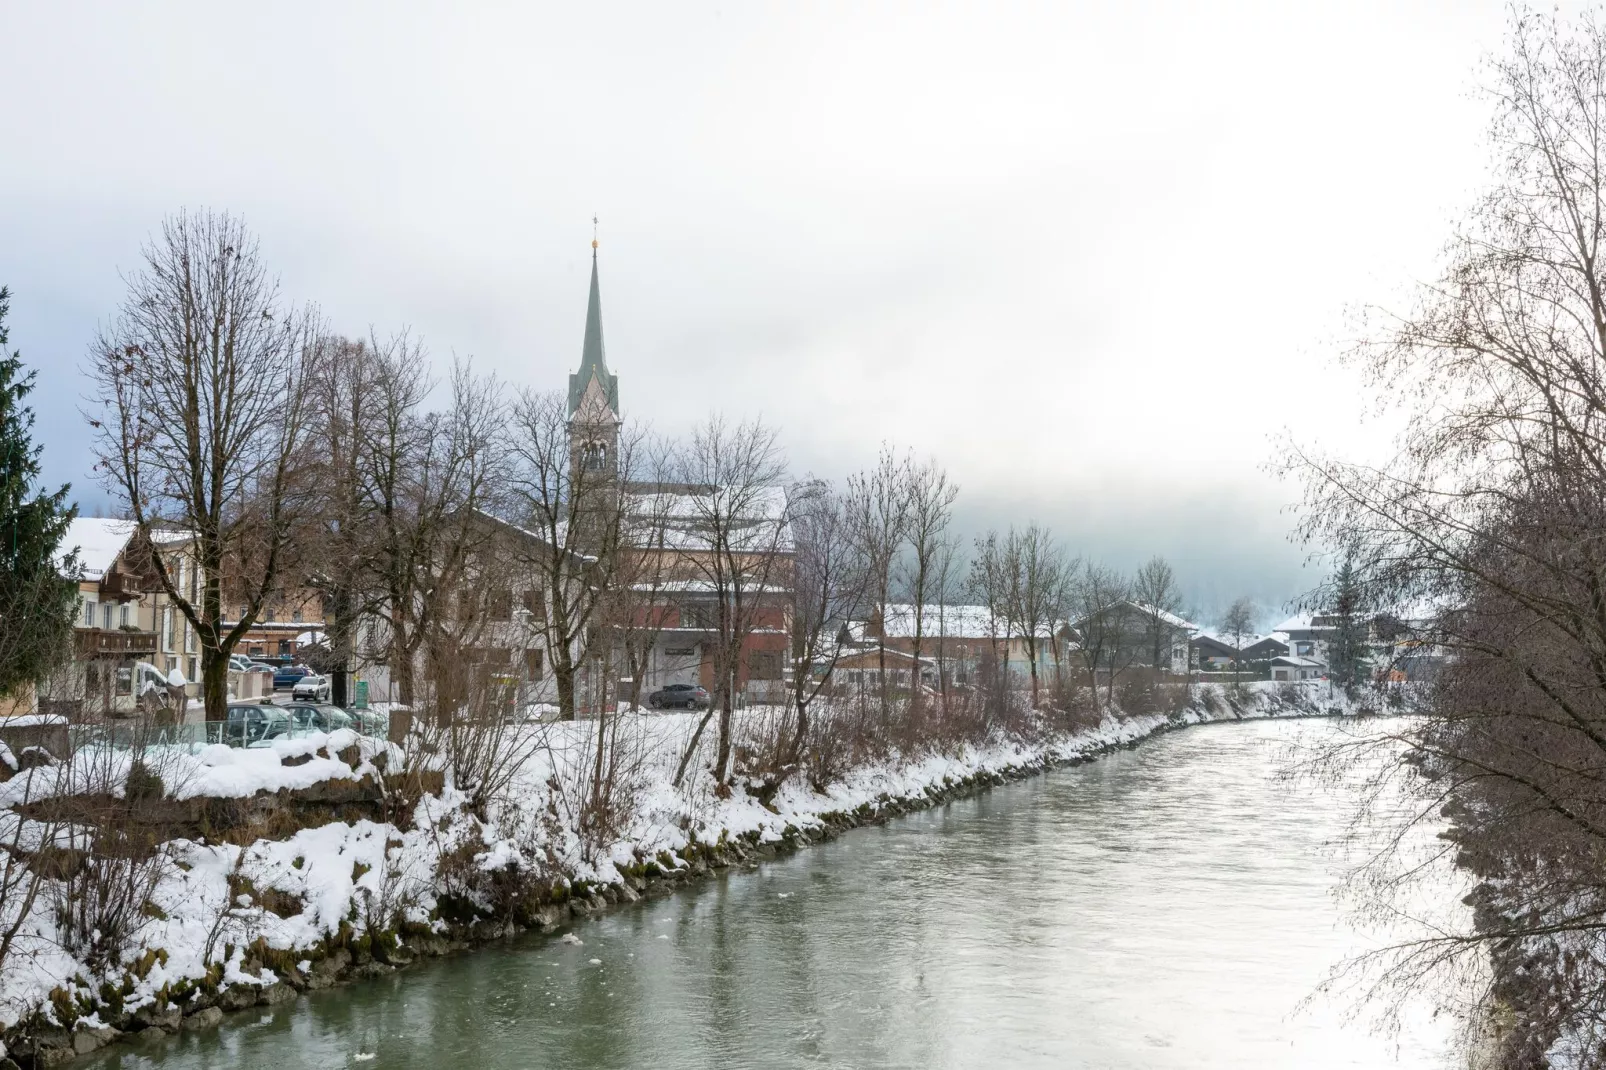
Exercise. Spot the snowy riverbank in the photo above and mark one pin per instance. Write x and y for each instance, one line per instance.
(227, 925)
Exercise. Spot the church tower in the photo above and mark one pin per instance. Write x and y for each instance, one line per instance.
(593, 398)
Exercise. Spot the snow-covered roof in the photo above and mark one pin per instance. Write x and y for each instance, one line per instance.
(98, 542)
(1166, 616)
(1249, 638)
(1147, 610)
(949, 621)
(1299, 663)
(685, 516)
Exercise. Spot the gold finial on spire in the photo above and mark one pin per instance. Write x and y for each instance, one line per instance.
(593, 232)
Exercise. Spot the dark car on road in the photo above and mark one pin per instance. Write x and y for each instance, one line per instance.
(289, 676)
(253, 724)
(684, 696)
(319, 717)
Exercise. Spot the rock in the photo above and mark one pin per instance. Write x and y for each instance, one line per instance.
(5, 1062)
(53, 1057)
(369, 970)
(276, 994)
(206, 1018)
(428, 944)
(154, 1017)
(87, 1040)
(152, 1033)
(329, 969)
(238, 997)
(628, 894)
(579, 907)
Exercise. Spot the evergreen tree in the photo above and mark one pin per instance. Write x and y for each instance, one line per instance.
(1348, 656)
(37, 604)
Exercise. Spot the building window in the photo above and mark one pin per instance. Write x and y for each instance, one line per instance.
(532, 663)
(295, 618)
(106, 616)
(122, 616)
(189, 639)
(89, 614)
(764, 665)
(501, 605)
(193, 674)
(535, 605)
(125, 679)
(167, 630)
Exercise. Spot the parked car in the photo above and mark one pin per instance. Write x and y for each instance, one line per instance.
(254, 724)
(239, 663)
(312, 688)
(319, 717)
(686, 696)
(370, 722)
(289, 675)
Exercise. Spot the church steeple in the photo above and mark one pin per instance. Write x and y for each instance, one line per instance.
(593, 361)
(593, 398)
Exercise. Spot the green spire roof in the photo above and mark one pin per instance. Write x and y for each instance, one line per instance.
(593, 363)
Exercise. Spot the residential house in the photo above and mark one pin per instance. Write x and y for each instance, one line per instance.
(1130, 632)
(960, 639)
(1289, 667)
(114, 631)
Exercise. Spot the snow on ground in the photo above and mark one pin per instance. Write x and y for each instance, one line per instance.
(213, 900)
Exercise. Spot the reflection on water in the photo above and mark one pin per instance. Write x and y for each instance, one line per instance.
(1163, 907)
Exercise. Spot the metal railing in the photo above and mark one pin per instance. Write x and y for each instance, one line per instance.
(190, 737)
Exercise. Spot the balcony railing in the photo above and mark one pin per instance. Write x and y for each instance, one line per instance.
(95, 642)
(121, 586)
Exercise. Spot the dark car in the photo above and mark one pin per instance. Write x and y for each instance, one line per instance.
(318, 717)
(685, 696)
(289, 675)
(252, 724)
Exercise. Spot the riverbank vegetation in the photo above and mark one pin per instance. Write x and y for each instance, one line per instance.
(1489, 523)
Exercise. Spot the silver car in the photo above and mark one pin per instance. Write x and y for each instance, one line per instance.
(311, 688)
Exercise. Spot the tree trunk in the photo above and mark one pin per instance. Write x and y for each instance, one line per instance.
(215, 683)
(563, 676)
(722, 762)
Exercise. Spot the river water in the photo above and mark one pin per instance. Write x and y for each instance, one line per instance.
(1169, 906)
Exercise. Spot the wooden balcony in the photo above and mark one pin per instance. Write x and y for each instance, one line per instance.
(121, 586)
(112, 642)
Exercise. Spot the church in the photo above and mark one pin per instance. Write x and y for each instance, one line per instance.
(688, 551)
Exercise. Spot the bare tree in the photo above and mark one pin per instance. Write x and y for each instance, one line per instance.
(878, 505)
(1034, 566)
(1238, 621)
(949, 576)
(428, 476)
(200, 391)
(345, 405)
(1159, 600)
(988, 583)
(735, 537)
(1489, 520)
(929, 496)
(828, 585)
(577, 509)
(1099, 600)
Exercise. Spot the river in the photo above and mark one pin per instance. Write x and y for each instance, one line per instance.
(1169, 906)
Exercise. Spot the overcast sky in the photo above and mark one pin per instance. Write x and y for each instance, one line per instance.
(1093, 257)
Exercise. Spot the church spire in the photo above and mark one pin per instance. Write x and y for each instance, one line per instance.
(593, 361)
